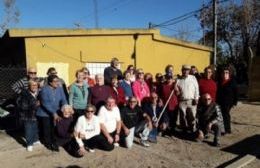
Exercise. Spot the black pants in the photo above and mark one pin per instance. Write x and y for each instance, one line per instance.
(215, 128)
(46, 125)
(99, 142)
(173, 116)
(225, 109)
(76, 115)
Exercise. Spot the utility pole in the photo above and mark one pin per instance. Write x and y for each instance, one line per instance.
(215, 31)
(96, 13)
(203, 20)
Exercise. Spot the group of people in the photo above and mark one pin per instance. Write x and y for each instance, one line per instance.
(115, 107)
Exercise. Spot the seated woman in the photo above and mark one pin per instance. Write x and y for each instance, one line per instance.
(87, 133)
(64, 130)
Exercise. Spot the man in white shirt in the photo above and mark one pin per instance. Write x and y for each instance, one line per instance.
(188, 92)
(110, 121)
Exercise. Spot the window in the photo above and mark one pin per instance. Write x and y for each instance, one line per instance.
(97, 67)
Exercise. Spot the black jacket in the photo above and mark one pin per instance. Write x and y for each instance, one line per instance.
(27, 105)
(227, 93)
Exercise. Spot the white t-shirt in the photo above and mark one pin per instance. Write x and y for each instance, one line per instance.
(89, 128)
(109, 118)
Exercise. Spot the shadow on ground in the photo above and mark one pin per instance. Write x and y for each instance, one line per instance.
(250, 145)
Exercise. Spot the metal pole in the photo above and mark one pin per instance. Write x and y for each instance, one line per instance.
(203, 20)
(215, 31)
(96, 13)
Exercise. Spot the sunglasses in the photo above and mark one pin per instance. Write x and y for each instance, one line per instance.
(133, 101)
(207, 98)
(89, 111)
(33, 73)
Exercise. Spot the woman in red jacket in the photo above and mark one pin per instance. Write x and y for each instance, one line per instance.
(207, 84)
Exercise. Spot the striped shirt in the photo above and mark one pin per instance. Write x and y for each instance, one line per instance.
(20, 85)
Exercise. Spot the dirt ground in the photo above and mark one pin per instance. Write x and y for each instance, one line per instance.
(168, 152)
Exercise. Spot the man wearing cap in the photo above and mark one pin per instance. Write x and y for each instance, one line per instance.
(111, 71)
(188, 89)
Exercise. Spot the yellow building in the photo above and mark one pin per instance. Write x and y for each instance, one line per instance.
(70, 49)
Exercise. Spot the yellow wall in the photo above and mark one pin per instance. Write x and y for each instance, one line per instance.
(74, 51)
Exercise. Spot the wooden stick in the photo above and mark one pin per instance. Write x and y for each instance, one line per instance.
(166, 104)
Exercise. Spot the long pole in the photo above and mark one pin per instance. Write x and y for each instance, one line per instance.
(166, 104)
(215, 31)
(96, 13)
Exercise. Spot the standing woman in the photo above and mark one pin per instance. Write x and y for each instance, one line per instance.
(126, 85)
(87, 78)
(27, 104)
(140, 88)
(207, 84)
(52, 98)
(78, 95)
(131, 69)
(227, 96)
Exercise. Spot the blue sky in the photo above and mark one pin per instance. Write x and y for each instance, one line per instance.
(111, 14)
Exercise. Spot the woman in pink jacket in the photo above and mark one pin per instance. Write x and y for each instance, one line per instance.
(140, 87)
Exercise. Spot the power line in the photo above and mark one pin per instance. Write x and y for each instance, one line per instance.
(184, 16)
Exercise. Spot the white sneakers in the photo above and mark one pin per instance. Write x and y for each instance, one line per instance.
(116, 144)
(37, 143)
(30, 148)
(144, 143)
(91, 150)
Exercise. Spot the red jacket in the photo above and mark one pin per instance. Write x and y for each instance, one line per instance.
(118, 95)
(208, 86)
(166, 91)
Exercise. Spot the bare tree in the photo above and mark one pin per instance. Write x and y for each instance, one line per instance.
(183, 33)
(238, 27)
(12, 15)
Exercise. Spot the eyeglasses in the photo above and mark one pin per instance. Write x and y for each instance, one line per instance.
(55, 81)
(132, 101)
(207, 98)
(53, 73)
(34, 73)
(89, 111)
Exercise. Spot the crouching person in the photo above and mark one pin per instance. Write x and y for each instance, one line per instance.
(130, 116)
(87, 133)
(209, 119)
(28, 103)
(110, 122)
(154, 108)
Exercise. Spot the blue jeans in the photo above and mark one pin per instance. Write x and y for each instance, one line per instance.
(31, 132)
(142, 127)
